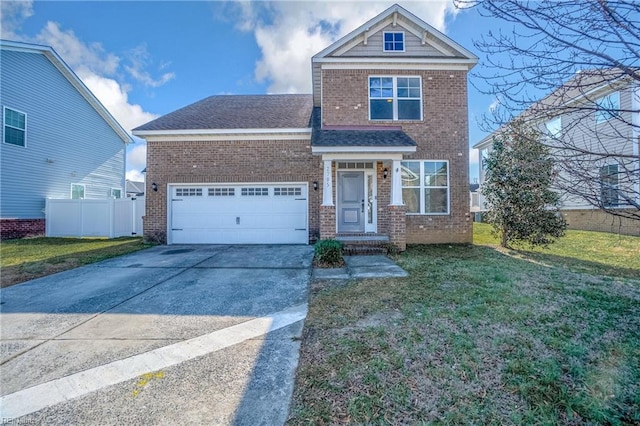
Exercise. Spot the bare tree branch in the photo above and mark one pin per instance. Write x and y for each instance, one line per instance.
(561, 59)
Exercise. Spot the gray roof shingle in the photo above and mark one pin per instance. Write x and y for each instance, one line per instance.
(238, 112)
(374, 136)
(381, 138)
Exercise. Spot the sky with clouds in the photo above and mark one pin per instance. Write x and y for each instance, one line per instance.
(146, 59)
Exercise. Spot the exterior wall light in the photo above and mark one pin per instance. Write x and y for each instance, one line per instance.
(385, 173)
(154, 186)
(315, 185)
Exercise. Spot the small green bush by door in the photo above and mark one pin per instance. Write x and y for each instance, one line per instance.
(328, 252)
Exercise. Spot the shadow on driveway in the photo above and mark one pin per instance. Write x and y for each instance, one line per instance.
(82, 319)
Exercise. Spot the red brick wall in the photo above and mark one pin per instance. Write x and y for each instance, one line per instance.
(398, 227)
(327, 222)
(227, 161)
(21, 228)
(442, 135)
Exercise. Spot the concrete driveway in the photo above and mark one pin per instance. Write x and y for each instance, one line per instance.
(168, 335)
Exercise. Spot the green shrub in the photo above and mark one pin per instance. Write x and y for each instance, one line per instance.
(328, 252)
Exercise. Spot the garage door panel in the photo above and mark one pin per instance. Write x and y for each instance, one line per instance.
(204, 221)
(245, 214)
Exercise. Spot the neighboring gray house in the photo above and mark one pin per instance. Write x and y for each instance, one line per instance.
(58, 140)
(134, 188)
(592, 125)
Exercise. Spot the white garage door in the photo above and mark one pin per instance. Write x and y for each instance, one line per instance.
(239, 214)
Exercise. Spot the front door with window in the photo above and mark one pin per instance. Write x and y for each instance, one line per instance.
(351, 202)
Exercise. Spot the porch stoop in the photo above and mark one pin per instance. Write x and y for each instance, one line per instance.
(363, 244)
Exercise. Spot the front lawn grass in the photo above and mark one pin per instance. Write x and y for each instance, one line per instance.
(479, 335)
(30, 258)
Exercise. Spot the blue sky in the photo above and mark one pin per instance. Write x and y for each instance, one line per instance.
(146, 59)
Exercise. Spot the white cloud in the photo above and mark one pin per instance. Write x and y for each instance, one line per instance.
(493, 106)
(135, 176)
(80, 56)
(115, 98)
(12, 15)
(137, 156)
(289, 33)
(141, 59)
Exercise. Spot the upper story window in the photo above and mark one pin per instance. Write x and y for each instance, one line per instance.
(395, 98)
(15, 127)
(554, 127)
(607, 107)
(393, 41)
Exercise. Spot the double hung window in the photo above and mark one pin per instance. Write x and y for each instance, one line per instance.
(609, 185)
(425, 186)
(395, 98)
(15, 127)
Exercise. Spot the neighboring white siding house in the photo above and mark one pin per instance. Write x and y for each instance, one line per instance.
(597, 117)
(58, 140)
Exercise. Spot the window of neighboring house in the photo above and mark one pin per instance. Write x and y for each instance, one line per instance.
(116, 193)
(425, 187)
(77, 191)
(607, 107)
(554, 127)
(393, 41)
(609, 185)
(484, 156)
(15, 127)
(395, 98)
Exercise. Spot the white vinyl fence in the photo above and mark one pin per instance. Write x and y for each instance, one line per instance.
(109, 217)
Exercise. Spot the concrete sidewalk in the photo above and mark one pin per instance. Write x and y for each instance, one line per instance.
(361, 267)
(172, 334)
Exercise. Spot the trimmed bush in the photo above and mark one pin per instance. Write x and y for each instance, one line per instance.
(328, 252)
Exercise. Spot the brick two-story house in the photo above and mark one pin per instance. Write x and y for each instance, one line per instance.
(378, 151)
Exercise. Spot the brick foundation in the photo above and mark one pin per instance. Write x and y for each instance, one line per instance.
(327, 222)
(21, 228)
(598, 220)
(398, 227)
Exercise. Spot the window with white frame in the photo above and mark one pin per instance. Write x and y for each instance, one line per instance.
(609, 185)
(115, 193)
(393, 41)
(554, 127)
(77, 191)
(395, 98)
(607, 107)
(425, 186)
(15, 127)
